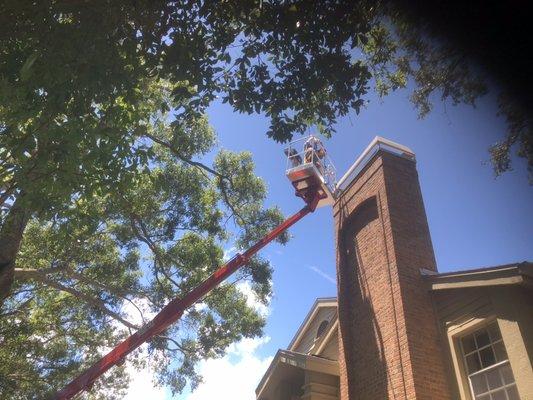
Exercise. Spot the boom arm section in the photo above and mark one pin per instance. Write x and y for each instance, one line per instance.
(174, 310)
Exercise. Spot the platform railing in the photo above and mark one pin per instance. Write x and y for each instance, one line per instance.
(298, 156)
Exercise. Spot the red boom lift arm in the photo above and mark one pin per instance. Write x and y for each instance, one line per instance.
(174, 310)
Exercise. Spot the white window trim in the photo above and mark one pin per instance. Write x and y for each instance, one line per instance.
(470, 331)
(454, 333)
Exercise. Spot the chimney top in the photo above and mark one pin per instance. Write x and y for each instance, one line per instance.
(378, 143)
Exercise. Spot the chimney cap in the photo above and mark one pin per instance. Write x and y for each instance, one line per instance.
(378, 143)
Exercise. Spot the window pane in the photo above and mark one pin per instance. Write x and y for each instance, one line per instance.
(512, 393)
(487, 357)
(469, 344)
(494, 332)
(482, 338)
(499, 349)
(479, 384)
(485, 348)
(507, 374)
(321, 328)
(499, 395)
(494, 379)
(472, 362)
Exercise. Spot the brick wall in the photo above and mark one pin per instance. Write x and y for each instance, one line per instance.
(389, 342)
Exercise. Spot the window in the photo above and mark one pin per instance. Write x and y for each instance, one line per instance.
(487, 366)
(321, 328)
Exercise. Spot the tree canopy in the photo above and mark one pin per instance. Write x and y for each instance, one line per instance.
(112, 191)
(147, 240)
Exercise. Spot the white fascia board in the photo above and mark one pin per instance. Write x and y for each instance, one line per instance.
(378, 143)
(319, 303)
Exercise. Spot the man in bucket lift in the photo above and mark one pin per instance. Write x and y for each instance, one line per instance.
(314, 151)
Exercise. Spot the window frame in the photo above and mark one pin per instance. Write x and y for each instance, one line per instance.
(322, 328)
(472, 330)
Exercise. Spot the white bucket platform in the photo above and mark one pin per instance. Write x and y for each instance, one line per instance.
(309, 167)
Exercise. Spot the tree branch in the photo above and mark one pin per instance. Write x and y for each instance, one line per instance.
(179, 346)
(11, 232)
(20, 308)
(231, 206)
(33, 274)
(118, 293)
(174, 151)
(144, 236)
(64, 269)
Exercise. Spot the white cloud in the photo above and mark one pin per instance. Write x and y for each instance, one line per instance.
(236, 375)
(323, 274)
(133, 312)
(141, 385)
(251, 298)
(228, 253)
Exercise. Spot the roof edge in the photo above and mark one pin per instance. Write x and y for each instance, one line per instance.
(508, 274)
(319, 302)
(298, 360)
(378, 143)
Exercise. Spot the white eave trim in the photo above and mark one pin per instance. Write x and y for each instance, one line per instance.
(319, 303)
(512, 280)
(298, 360)
(332, 330)
(378, 143)
(513, 274)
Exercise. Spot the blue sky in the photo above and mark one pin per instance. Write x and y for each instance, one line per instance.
(475, 220)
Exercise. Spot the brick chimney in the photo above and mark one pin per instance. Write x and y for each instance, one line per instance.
(389, 341)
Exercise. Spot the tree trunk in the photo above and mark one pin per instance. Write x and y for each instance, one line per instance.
(10, 238)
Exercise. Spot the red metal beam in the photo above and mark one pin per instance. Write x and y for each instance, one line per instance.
(174, 310)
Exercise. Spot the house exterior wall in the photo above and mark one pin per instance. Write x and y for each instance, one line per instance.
(388, 334)
(395, 331)
(308, 339)
(331, 350)
(287, 390)
(308, 370)
(320, 386)
(514, 310)
(461, 311)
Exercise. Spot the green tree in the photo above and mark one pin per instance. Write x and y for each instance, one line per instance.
(137, 246)
(73, 80)
(102, 138)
